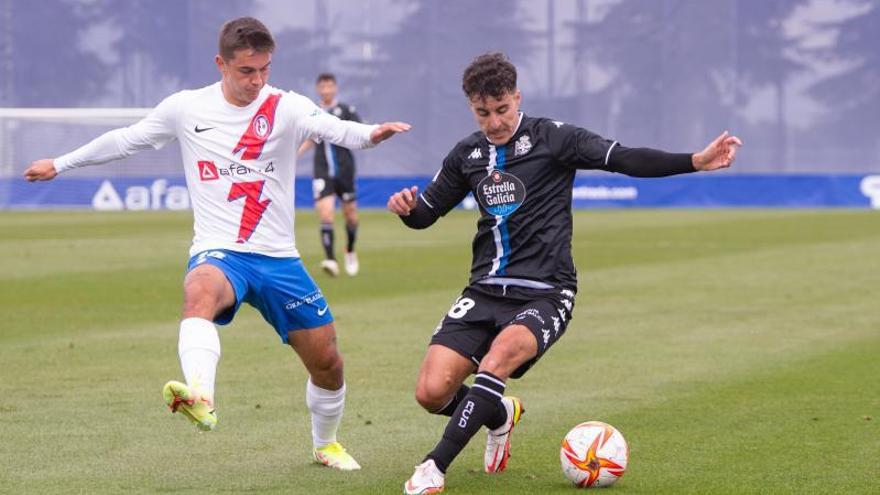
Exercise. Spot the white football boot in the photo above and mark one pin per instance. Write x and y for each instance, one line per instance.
(330, 267)
(427, 479)
(351, 264)
(498, 440)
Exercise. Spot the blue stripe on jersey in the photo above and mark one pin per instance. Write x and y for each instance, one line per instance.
(502, 223)
(332, 165)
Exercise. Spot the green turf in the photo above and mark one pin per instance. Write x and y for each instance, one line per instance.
(738, 352)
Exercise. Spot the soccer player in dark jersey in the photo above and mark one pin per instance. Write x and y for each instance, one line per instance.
(522, 287)
(334, 176)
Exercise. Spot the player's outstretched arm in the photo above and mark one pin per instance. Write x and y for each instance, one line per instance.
(720, 153)
(388, 129)
(41, 170)
(401, 203)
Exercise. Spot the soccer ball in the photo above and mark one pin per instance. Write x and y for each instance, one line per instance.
(593, 454)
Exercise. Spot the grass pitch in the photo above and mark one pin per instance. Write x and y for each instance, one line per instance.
(737, 351)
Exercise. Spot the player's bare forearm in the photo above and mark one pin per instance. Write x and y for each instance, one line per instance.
(41, 170)
(388, 129)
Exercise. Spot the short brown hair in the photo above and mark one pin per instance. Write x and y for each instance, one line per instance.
(325, 76)
(490, 74)
(244, 33)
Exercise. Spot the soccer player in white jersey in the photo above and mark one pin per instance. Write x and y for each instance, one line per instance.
(238, 140)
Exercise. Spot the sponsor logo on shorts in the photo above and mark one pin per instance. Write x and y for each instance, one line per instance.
(308, 299)
(322, 311)
(534, 313)
(546, 333)
(556, 325)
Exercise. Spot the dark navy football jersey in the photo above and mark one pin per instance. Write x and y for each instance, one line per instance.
(523, 190)
(332, 160)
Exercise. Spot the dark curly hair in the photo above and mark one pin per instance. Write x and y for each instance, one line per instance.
(490, 74)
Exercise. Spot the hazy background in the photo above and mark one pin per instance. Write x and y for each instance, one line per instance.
(798, 80)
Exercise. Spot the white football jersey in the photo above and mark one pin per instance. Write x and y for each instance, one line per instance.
(240, 162)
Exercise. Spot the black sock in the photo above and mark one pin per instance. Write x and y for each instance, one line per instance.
(479, 406)
(352, 230)
(327, 240)
(452, 405)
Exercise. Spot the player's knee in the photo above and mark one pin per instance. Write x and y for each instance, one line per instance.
(200, 301)
(329, 365)
(432, 396)
(429, 402)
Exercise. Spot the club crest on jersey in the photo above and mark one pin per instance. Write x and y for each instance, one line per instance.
(501, 193)
(207, 170)
(522, 146)
(262, 127)
(252, 142)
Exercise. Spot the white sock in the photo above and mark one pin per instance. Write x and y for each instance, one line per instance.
(199, 351)
(326, 407)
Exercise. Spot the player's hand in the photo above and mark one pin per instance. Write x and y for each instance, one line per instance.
(388, 129)
(41, 170)
(401, 203)
(719, 154)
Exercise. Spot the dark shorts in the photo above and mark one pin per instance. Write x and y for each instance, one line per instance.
(341, 186)
(483, 311)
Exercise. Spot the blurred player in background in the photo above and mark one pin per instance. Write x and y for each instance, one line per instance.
(238, 139)
(522, 287)
(334, 175)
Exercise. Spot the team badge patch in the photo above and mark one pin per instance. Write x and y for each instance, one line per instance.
(522, 146)
(501, 193)
(257, 132)
(262, 126)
